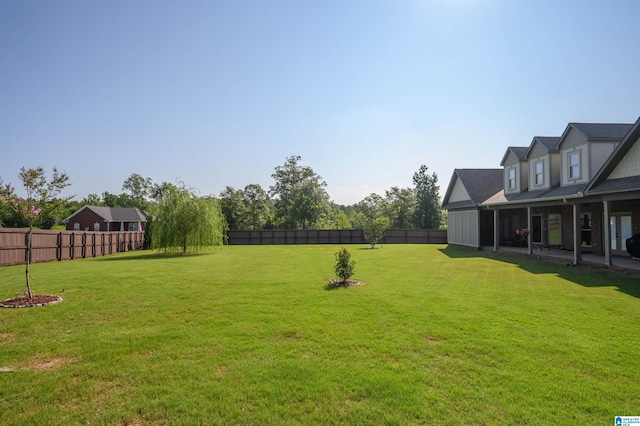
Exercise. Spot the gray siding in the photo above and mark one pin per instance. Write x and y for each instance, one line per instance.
(464, 228)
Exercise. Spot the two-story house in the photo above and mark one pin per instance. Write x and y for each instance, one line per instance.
(579, 191)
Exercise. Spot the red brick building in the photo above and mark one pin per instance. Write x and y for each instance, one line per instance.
(97, 218)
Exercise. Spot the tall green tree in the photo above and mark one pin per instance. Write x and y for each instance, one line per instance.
(257, 206)
(300, 197)
(371, 206)
(428, 214)
(118, 200)
(337, 218)
(185, 223)
(399, 207)
(233, 208)
(139, 190)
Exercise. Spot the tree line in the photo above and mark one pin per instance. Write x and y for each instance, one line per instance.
(296, 200)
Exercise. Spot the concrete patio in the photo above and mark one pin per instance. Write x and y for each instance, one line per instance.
(620, 264)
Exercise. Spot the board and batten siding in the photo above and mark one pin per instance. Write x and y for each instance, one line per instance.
(630, 165)
(463, 227)
(459, 192)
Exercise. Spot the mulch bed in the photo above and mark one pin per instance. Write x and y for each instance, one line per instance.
(24, 301)
(347, 283)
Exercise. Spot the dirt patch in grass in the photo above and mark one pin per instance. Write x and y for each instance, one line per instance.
(6, 338)
(39, 364)
(431, 340)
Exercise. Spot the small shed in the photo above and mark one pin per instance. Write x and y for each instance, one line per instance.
(98, 218)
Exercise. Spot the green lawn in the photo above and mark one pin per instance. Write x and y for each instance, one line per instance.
(252, 335)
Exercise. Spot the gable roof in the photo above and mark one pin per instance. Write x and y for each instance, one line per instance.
(480, 184)
(548, 142)
(519, 151)
(115, 214)
(597, 131)
(600, 183)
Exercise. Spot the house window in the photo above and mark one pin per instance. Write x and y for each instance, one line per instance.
(574, 165)
(133, 226)
(539, 173)
(585, 229)
(76, 226)
(512, 178)
(96, 227)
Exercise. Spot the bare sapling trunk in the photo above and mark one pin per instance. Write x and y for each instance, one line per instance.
(28, 261)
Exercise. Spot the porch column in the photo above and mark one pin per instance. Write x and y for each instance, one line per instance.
(606, 241)
(496, 231)
(529, 242)
(121, 226)
(577, 240)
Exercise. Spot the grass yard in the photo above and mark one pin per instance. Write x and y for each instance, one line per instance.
(252, 335)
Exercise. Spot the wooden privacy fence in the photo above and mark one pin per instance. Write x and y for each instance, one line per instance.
(335, 236)
(64, 245)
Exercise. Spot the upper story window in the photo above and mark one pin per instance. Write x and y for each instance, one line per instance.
(574, 165)
(133, 226)
(96, 227)
(76, 226)
(512, 178)
(539, 173)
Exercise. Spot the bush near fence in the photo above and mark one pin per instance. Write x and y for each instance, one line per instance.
(335, 236)
(64, 245)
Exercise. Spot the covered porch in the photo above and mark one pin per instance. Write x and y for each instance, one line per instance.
(580, 230)
(620, 264)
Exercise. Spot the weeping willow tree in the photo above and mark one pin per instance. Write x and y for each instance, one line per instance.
(185, 223)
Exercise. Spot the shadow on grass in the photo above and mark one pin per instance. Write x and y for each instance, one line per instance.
(148, 255)
(584, 275)
(330, 287)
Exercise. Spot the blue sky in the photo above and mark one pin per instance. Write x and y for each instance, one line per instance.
(218, 93)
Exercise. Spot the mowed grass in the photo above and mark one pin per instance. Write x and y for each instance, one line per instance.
(253, 335)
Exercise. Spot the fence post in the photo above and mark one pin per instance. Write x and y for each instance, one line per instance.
(59, 246)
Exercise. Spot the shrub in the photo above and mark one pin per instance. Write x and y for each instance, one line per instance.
(373, 229)
(344, 265)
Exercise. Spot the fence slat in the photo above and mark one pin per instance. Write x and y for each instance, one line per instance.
(335, 236)
(61, 245)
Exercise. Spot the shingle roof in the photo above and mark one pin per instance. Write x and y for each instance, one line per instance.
(479, 183)
(549, 142)
(115, 214)
(617, 185)
(519, 151)
(119, 214)
(600, 183)
(602, 131)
